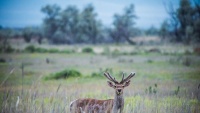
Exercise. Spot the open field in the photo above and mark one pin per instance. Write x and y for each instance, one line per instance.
(166, 81)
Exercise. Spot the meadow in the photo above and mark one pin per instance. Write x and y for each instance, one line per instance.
(167, 78)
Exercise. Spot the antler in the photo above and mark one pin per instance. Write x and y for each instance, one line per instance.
(127, 78)
(122, 77)
(107, 75)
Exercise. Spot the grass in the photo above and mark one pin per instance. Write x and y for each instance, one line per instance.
(64, 74)
(44, 96)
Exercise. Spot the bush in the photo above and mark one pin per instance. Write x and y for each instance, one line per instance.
(67, 51)
(87, 50)
(53, 50)
(64, 74)
(33, 49)
(2, 60)
(30, 49)
(40, 50)
(9, 49)
(96, 75)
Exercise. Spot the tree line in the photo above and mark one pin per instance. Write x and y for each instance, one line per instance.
(184, 22)
(72, 26)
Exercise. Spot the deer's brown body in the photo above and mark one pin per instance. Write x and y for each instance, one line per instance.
(115, 105)
(91, 106)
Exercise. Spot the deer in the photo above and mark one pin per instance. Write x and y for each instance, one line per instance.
(116, 105)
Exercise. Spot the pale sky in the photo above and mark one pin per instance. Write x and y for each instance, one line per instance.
(21, 13)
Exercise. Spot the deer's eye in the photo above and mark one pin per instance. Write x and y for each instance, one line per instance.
(115, 86)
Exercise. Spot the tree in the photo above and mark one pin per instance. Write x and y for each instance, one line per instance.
(124, 25)
(89, 25)
(27, 33)
(69, 23)
(164, 30)
(151, 31)
(5, 35)
(70, 26)
(185, 21)
(51, 21)
(196, 24)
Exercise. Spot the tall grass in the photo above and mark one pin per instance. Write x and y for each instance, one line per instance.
(35, 100)
(165, 82)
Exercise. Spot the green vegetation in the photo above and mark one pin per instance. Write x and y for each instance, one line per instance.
(87, 50)
(163, 82)
(33, 49)
(97, 75)
(151, 89)
(74, 26)
(167, 74)
(64, 74)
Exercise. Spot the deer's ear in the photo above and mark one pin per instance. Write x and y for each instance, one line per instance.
(127, 83)
(110, 84)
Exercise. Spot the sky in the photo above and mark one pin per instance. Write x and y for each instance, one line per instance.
(21, 13)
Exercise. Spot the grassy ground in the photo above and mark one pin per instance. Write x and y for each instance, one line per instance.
(166, 80)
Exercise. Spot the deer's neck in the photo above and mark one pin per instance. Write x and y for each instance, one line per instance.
(118, 104)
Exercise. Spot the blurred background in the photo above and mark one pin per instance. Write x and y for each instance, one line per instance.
(55, 51)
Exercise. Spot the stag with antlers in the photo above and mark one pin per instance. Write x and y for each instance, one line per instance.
(115, 105)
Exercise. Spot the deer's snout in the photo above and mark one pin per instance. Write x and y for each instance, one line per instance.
(119, 90)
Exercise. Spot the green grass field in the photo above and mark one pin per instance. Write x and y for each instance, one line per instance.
(166, 81)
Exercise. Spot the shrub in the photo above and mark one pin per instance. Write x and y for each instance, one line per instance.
(151, 89)
(87, 50)
(64, 74)
(53, 50)
(40, 50)
(149, 61)
(116, 53)
(2, 60)
(30, 49)
(96, 75)
(67, 51)
(7, 49)
(154, 50)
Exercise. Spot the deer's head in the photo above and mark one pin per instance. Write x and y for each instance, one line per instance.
(118, 86)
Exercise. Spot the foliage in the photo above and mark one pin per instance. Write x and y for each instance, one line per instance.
(87, 50)
(33, 49)
(124, 25)
(30, 49)
(177, 90)
(5, 35)
(164, 30)
(89, 25)
(32, 32)
(64, 74)
(151, 89)
(48, 96)
(2, 60)
(96, 74)
(51, 20)
(7, 49)
(184, 21)
(152, 31)
(70, 25)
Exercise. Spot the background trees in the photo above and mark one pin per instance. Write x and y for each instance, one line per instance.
(51, 23)
(185, 21)
(124, 25)
(71, 25)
